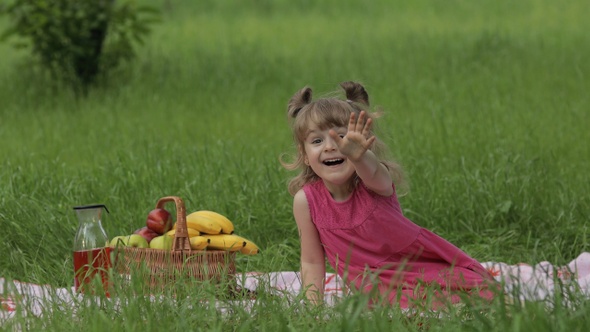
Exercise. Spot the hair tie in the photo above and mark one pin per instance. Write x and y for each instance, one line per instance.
(349, 101)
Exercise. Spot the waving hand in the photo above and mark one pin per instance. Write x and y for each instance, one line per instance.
(358, 138)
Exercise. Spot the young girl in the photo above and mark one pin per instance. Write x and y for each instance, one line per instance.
(347, 211)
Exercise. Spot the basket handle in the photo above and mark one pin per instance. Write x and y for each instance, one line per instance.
(181, 240)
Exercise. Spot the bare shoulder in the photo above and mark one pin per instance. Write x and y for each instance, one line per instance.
(300, 199)
(301, 208)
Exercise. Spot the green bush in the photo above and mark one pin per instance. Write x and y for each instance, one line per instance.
(78, 40)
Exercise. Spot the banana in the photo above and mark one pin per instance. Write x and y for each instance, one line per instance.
(229, 242)
(191, 232)
(227, 227)
(187, 226)
(202, 224)
(198, 242)
(250, 248)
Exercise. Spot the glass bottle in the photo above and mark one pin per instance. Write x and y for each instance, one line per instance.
(91, 249)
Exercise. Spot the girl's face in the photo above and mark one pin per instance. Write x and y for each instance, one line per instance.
(324, 158)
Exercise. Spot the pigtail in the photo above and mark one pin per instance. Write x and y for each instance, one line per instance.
(298, 101)
(355, 92)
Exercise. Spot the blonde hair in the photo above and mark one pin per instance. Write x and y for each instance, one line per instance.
(327, 113)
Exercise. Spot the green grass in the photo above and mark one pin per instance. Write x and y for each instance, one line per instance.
(485, 102)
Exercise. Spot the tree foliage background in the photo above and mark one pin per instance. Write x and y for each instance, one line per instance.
(78, 42)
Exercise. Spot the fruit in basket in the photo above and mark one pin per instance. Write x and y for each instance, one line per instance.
(118, 241)
(229, 242)
(188, 226)
(227, 227)
(203, 224)
(232, 242)
(159, 220)
(198, 242)
(162, 242)
(138, 241)
(250, 248)
(147, 233)
(191, 232)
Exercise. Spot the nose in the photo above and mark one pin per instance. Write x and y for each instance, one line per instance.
(330, 144)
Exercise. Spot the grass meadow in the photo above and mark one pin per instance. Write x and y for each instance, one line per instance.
(485, 103)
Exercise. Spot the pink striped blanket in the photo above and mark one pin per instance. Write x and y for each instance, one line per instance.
(526, 282)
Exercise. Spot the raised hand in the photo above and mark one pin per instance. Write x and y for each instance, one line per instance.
(358, 139)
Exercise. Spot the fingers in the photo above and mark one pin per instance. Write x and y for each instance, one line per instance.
(352, 122)
(367, 127)
(361, 125)
(370, 142)
(334, 135)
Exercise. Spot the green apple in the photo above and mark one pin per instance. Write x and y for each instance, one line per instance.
(162, 242)
(138, 241)
(119, 241)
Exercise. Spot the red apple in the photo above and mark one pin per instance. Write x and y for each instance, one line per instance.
(146, 233)
(159, 221)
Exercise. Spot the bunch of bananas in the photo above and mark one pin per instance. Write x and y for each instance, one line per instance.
(211, 230)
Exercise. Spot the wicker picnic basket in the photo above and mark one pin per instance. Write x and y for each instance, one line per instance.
(161, 269)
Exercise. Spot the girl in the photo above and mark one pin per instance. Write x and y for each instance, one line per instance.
(347, 211)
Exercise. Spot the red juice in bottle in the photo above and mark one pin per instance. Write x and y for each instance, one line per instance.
(88, 264)
(91, 249)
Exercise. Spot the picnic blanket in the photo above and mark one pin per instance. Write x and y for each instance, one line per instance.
(524, 282)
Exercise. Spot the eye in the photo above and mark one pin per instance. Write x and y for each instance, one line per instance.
(316, 141)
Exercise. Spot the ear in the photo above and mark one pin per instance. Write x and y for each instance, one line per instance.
(305, 159)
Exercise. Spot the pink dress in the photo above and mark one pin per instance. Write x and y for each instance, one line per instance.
(373, 246)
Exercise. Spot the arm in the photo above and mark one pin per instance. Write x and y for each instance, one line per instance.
(355, 146)
(374, 174)
(313, 268)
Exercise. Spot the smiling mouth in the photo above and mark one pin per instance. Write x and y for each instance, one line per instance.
(333, 162)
